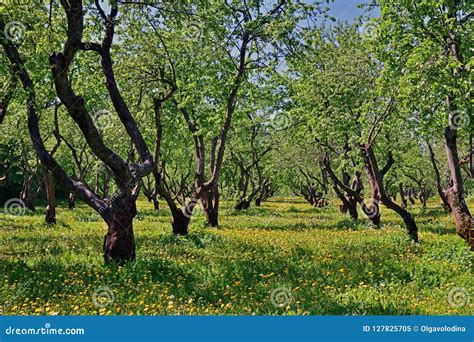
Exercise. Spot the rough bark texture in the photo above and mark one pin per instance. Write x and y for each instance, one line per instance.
(119, 242)
(462, 217)
(455, 194)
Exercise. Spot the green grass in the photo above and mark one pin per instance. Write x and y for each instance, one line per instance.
(319, 261)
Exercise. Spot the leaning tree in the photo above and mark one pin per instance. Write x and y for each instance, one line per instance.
(119, 210)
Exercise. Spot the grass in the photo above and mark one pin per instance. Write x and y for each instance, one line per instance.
(282, 258)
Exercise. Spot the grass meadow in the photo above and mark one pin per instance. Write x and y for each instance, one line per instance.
(283, 258)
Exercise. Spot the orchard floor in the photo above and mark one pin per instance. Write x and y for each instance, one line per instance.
(282, 258)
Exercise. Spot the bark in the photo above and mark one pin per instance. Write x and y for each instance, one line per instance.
(119, 242)
(374, 193)
(150, 192)
(26, 194)
(410, 194)
(408, 219)
(50, 217)
(439, 186)
(180, 222)
(347, 204)
(156, 204)
(455, 194)
(403, 200)
(350, 193)
(210, 203)
(242, 204)
(423, 196)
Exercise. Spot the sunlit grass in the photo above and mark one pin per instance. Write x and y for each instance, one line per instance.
(322, 261)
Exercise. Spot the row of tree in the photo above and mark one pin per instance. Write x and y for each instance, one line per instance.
(191, 101)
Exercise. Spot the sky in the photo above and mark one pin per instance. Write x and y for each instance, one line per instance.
(346, 10)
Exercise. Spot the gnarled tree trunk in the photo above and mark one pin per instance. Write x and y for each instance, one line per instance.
(180, 222)
(119, 242)
(408, 219)
(455, 194)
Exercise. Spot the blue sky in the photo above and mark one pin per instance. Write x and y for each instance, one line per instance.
(346, 9)
(340, 9)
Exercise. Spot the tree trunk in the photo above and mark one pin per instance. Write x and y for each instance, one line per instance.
(258, 202)
(439, 186)
(374, 215)
(210, 203)
(369, 156)
(71, 200)
(119, 242)
(156, 204)
(242, 204)
(180, 222)
(25, 195)
(403, 200)
(455, 196)
(423, 196)
(372, 208)
(408, 219)
(50, 217)
(347, 205)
